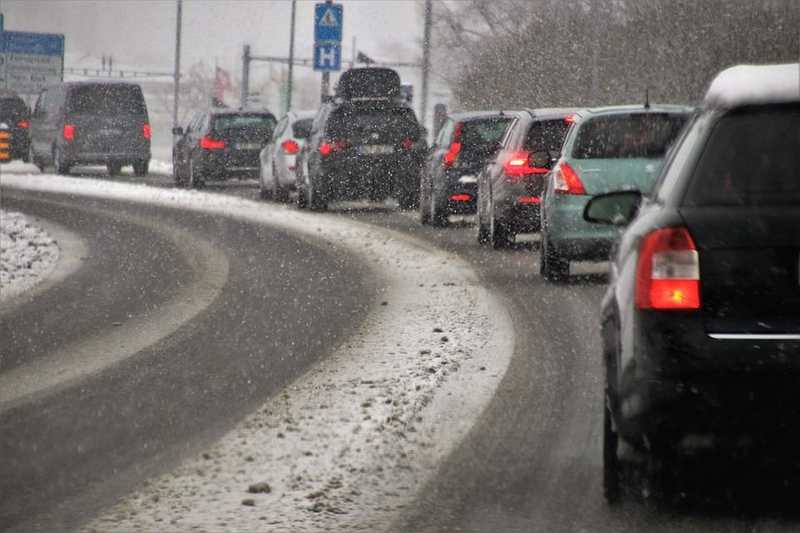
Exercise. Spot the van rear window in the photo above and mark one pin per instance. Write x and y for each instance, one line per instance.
(106, 99)
(752, 158)
(249, 121)
(358, 121)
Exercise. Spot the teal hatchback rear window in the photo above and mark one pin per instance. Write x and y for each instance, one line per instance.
(636, 135)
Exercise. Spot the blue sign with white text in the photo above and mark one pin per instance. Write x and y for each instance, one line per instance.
(327, 57)
(23, 42)
(328, 23)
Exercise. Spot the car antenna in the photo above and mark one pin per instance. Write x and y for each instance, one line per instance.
(647, 98)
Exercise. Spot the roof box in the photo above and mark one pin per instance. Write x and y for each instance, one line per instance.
(366, 84)
(754, 84)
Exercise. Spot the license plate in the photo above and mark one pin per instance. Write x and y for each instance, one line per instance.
(248, 146)
(376, 149)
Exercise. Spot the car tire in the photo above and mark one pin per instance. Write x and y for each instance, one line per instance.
(424, 205)
(141, 167)
(177, 178)
(114, 168)
(612, 487)
(552, 265)
(316, 202)
(279, 193)
(38, 163)
(499, 236)
(194, 180)
(62, 167)
(438, 212)
(408, 198)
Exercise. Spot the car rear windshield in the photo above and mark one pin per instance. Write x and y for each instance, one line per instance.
(13, 108)
(483, 134)
(358, 121)
(546, 135)
(752, 158)
(629, 136)
(249, 121)
(106, 100)
(301, 125)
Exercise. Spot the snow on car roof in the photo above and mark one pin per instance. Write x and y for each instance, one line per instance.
(754, 84)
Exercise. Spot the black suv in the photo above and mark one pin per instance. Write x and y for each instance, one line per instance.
(365, 144)
(15, 119)
(219, 144)
(449, 183)
(701, 321)
(91, 123)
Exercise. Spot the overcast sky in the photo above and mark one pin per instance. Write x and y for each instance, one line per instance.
(142, 32)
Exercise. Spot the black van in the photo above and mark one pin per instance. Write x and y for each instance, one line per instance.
(91, 123)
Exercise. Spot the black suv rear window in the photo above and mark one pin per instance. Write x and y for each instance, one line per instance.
(357, 121)
(13, 108)
(636, 135)
(752, 158)
(106, 99)
(546, 135)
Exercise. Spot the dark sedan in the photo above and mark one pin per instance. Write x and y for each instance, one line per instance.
(449, 182)
(701, 322)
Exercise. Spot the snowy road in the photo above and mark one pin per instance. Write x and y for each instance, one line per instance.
(532, 460)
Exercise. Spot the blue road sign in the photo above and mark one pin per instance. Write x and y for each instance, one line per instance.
(23, 42)
(327, 57)
(328, 23)
(30, 61)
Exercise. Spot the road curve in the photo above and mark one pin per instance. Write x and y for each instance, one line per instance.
(71, 450)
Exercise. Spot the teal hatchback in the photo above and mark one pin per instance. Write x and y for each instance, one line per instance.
(607, 149)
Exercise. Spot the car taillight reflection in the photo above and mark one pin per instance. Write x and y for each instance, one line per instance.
(668, 271)
(24, 124)
(518, 164)
(69, 132)
(147, 132)
(566, 180)
(207, 143)
(290, 147)
(407, 144)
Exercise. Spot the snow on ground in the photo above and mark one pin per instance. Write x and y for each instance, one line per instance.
(349, 444)
(27, 254)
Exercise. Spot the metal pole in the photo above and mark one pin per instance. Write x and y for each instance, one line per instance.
(426, 61)
(353, 60)
(245, 75)
(291, 60)
(326, 77)
(177, 73)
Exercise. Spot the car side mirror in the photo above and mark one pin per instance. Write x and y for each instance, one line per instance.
(615, 208)
(177, 130)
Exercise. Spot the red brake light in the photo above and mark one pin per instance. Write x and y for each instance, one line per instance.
(529, 200)
(407, 144)
(518, 164)
(24, 124)
(69, 132)
(567, 180)
(334, 145)
(207, 143)
(571, 119)
(290, 146)
(668, 271)
(147, 132)
(463, 197)
(451, 155)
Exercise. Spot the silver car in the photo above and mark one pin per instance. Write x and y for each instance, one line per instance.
(277, 159)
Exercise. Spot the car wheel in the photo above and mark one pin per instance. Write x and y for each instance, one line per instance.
(408, 198)
(279, 192)
(611, 465)
(438, 212)
(35, 160)
(194, 180)
(552, 265)
(62, 166)
(424, 205)
(114, 168)
(315, 201)
(141, 167)
(176, 173)
(498, 233)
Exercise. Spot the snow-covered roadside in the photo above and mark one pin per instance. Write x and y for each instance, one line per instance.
(27, 254)
(350, 443)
